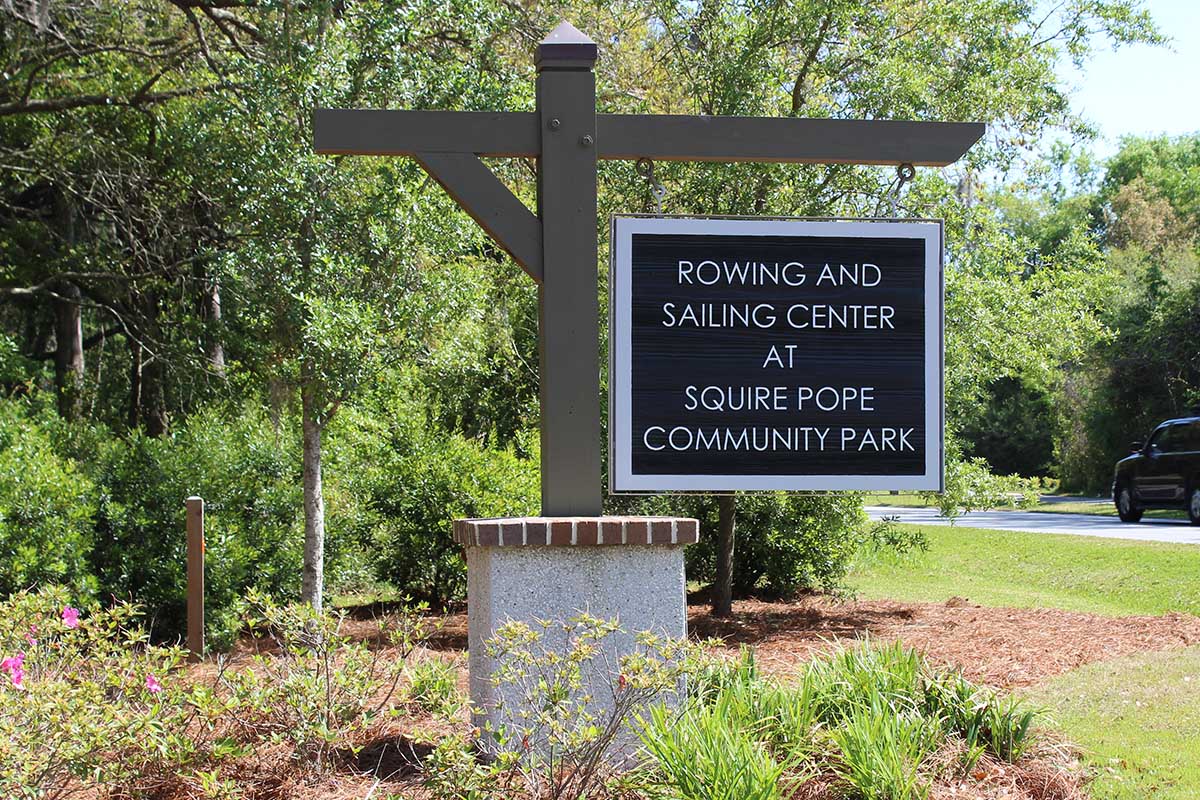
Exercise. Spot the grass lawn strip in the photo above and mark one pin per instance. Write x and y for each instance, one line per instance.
(1113, 577)
(1137, 719)
(1058, 506)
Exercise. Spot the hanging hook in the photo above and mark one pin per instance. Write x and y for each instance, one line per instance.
(904, 174)
(645, 168)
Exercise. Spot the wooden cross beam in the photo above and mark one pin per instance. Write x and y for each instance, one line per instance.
(557, 246)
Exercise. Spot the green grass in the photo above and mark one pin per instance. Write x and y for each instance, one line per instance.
(902, 500)
(1106, 509)
(1007, 568)
(1136, 719)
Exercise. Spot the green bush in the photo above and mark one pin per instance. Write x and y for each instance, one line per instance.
(84, 698)
(873, 716)
(248, 473)
(46, 507)
(81, 507)
(89, 706)
(785, 543)
(402, 482)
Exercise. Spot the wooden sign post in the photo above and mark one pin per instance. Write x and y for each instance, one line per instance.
(571, 558)
(195, 577)
(557, 247)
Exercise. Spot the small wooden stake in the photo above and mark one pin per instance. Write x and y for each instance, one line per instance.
(195, 577)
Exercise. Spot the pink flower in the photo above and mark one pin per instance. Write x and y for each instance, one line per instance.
(30, 640)
(70, 617)
(15, 667)
(152, 685)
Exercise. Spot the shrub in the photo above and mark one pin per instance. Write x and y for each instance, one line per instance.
(567, 704)
(872, 716)
(786, 543)
(317, 687)
(46, 508)
(86, 703)
(248, 473)
(84, 698)
(433, 687)
(410, 481)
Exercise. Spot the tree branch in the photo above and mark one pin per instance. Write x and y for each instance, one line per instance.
(56, 104)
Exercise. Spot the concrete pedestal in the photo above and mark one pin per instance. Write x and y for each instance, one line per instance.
(553, 568)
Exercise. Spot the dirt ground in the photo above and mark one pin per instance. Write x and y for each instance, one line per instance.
(1002, 647)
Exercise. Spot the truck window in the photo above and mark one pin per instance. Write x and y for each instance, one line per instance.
(1190, 440)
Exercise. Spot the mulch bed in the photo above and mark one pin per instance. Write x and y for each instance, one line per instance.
(1002, 647)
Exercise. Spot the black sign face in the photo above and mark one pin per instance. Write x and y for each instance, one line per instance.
(775, 354)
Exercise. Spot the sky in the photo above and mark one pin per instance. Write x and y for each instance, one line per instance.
(1142, 90)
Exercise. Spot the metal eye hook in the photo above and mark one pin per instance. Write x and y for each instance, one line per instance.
(904, 174)
(645, 168)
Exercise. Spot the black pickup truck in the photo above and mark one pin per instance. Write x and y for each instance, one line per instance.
(1162, 473)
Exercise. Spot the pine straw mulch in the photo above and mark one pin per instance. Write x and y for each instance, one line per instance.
(1002, 647)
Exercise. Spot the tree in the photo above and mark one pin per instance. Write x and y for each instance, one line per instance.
(106, 214)
(341, 284)
(955, 61)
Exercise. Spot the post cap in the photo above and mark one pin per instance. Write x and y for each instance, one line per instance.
(566, 47)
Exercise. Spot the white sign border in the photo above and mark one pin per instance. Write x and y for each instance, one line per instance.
(620, 405)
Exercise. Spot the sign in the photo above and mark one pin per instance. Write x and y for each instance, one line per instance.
(764, 354)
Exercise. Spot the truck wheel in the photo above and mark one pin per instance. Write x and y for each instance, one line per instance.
(1127, 510)
(1194, 505)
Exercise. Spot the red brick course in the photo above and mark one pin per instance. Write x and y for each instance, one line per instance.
(575, 531)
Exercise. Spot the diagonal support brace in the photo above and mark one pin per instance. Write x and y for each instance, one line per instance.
(490, 203)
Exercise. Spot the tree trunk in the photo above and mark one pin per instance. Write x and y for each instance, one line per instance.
(313, 580)
(135, 383)
(154, 400)
(212, 314)
(722, 591)
(68, 354)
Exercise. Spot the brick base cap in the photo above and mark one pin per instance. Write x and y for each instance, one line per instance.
(575, 531)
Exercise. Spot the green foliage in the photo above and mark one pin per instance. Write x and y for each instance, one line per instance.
(704, 756)
(1015, 432)
(318, 688)
(786, 543)
(90, 705)
(233, 458)
(47, 505)
(1149, 372)
(566, 700)
(410, 481)
(82, 507)
(1166, 167)
(90, 701)
(881, 753)
(873, 715)
(433, 686)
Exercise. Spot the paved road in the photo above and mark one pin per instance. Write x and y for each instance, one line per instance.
(1148, 530)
